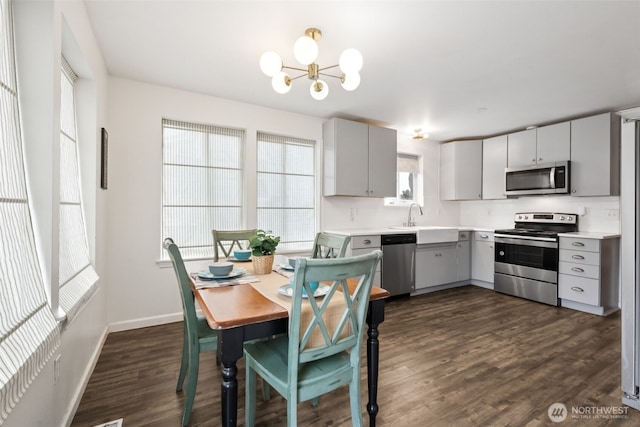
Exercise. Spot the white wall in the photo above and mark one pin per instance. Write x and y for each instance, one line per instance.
(601, 214)
(45, 30)
(142, 293)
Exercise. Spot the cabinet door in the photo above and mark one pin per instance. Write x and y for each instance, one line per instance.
(594, 172)
(554, 143)
(463, 253)
(482, 259)
(522, 148)
(346, 147)
(435, 265)
(494, 162)
(383, 153)
(447, 171)
(468, 170)
(461, 170)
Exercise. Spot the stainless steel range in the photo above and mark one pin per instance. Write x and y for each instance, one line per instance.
(526, 257)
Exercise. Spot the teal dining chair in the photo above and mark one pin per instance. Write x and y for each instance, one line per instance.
(198, 336)
(323, 352)
(228, 240)
(327, 245)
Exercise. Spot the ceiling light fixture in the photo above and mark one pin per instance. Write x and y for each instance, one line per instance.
(419, 135)
(305, 50)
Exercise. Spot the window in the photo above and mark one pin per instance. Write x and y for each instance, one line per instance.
(77, 277)
(28, 332)
(286, 190)
(407, 180)
(202, 184)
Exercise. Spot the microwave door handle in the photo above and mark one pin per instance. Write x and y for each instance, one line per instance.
(552, 177)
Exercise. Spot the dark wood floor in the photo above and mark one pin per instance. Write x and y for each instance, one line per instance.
(462, 357)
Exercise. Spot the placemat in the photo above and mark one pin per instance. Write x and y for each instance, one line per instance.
(247, 277)
(269, 287)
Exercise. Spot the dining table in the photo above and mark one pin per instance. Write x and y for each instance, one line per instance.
(241, 312)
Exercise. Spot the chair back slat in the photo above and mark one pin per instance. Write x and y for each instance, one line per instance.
(327, 245)
(338, 317)
(186, 294)
(227, 240)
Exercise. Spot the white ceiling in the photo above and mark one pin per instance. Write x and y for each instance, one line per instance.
(456, 69)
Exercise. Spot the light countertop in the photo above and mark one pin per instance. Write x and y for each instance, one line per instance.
(590, 235)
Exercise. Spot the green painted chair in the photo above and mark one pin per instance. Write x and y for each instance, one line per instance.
(238, 239)
(327, 245)
(300, 372)
(198, 336)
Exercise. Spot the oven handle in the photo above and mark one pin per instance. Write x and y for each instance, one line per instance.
(545, 242)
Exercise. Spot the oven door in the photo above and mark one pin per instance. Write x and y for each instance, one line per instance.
(529, 257)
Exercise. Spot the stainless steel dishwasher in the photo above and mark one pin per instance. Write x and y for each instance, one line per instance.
(398, 263)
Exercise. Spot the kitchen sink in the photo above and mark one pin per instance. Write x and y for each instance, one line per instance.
(426, 234)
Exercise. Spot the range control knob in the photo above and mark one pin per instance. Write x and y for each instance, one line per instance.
(569, 218)
(519, 216)
(526, 217)
(562, 218)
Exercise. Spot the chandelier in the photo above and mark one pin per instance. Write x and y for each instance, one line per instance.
(305, 50)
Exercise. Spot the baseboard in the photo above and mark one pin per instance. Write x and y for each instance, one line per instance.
(71, 410)
(145, 322)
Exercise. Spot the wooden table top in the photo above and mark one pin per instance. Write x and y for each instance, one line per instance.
(238, 305)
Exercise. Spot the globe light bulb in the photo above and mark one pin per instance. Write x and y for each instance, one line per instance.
(281, 82)
(350, 61)
(270, 63)
(319, 90)
(351, 81)
(305, 50)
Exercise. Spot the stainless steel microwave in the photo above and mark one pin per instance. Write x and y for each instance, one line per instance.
(547, 178)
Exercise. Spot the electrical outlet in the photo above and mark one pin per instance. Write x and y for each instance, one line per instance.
(612, 213)
(56, 368)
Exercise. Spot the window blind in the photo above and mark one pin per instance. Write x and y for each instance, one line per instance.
(286, 189)
(202, 184)
(77, 277)
(28, 332)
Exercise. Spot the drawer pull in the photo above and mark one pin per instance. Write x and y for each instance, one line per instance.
(484, 236)
(577, 270)
(577, 244)
(366, 242)
(577, 257)
(577, 289)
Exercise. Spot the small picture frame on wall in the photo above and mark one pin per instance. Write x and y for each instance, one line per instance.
(105, 157)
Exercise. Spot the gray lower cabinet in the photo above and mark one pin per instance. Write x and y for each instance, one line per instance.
(361, 245)
(588, 274)
(482, 258)
(463, 252)
(436, 264)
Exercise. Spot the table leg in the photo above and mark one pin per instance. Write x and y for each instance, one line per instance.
(230, 342)
(229, 394)
(375, 316)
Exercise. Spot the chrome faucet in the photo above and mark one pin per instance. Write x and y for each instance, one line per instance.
(409, 222)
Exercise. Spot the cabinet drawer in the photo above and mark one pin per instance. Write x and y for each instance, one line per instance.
(483, 236)
(580, 270)
(580, 244)
(579, 289)
(580, 257)
(359, 242)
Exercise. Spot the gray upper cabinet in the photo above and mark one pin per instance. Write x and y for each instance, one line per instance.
(359, 159)
(541, 145)
(494, 162)
(595, 156)
(553, 143)
(461, 170)
(522, 148)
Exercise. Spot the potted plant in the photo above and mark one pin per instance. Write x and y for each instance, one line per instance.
(263, 247)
